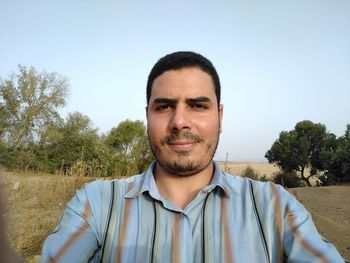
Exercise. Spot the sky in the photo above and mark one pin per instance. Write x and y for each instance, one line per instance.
(279, 62)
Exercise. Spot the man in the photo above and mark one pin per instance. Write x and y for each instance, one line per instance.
(184, 208)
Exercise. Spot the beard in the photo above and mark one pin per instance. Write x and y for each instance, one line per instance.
(184, 165)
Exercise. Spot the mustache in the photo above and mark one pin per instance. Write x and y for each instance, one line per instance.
(181, 136)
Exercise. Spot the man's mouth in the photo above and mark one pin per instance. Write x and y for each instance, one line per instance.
(182, 142)
(182, 138)
(182, 145)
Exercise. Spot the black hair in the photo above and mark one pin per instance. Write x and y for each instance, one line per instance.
(179, 60)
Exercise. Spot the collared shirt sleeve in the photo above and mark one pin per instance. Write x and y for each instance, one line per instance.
(78, 237)
(301, 240)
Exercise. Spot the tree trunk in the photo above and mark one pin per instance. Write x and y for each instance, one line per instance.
(305, 179)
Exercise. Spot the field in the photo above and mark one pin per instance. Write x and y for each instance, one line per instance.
(35, 203)
(34, 207)
(236, 168)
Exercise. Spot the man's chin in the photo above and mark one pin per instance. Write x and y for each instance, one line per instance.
(182, 168)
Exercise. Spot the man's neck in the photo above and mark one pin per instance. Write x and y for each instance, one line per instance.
(181, 190)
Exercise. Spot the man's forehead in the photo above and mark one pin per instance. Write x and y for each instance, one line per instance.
(184, 71)
(188, 82)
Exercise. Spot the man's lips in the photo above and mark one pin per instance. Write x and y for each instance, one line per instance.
(182, 145)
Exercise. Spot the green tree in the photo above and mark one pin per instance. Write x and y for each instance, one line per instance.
(65, 142)
(337, 160)
(29, 100)
(132, 150)
(302, 148)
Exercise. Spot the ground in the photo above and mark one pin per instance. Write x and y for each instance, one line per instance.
(35, 203)
(330, 210)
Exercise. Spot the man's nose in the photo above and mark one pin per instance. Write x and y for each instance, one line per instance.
(180, 120)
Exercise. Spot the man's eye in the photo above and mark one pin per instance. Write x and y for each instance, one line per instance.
(199, 106)
(163, 107)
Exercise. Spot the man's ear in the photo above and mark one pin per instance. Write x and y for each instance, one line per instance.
(221, 113)
(146, 108)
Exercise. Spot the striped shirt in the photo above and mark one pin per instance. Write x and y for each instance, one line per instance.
(233, 219)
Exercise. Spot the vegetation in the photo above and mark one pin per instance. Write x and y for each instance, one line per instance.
(31, 217)
(249, 172)
(28, 102)
(337, 161)
(288, 179)
(311, 146)
(130, 143)
(33, 136)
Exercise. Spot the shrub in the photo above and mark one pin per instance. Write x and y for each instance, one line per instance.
(265, 178)
(249, 172)
(288, 179)
(327, 179)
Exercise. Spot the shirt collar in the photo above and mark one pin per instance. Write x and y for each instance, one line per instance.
(145, 184)
(148, 183)
(219, 181)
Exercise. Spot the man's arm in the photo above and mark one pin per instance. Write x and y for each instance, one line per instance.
(301, 240)
(77, 238)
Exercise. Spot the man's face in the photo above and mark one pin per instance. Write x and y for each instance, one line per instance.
(184, 120)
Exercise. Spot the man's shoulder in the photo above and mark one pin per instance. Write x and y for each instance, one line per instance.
(100, 192)
(106, 184)
(243, 182)
(244, 185)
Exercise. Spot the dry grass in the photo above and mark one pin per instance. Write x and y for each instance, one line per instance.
(35, 204)
(262, 169)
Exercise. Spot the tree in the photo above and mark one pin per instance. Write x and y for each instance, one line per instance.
(65, 142)
(28, 102)
(337, 161)
(129, 140)
(302, 148)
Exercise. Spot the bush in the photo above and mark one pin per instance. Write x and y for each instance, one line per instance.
(249, 172)
(288, 179)
(3, 152)
(265, 178)
(9, 158)
(327, 179)
(23, 159)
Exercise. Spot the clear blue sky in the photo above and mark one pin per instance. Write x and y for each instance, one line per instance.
(280, 62)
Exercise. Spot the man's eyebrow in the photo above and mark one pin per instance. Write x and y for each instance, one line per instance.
(164, 101)
(173, 101)
(198, 100)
